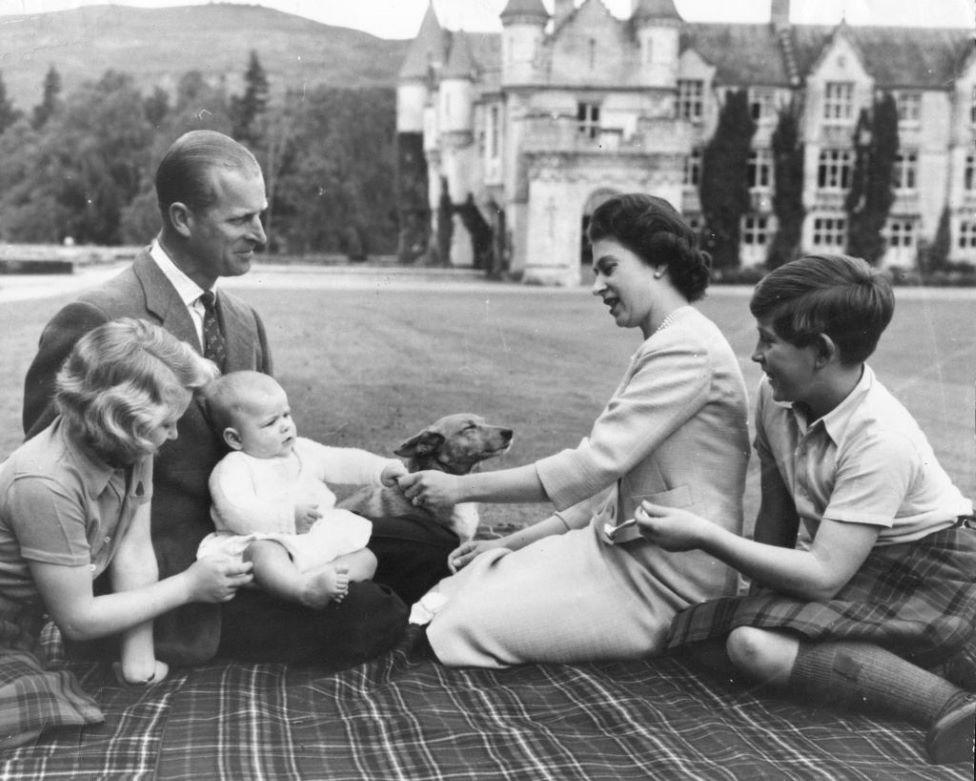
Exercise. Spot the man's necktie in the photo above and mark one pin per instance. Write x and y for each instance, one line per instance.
(214, 344)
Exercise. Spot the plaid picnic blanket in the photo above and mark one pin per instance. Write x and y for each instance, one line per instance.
(404, 716)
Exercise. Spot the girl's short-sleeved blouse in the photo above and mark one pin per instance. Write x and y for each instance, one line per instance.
(59, 505)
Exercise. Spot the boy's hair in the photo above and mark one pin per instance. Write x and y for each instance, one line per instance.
(837, 295)
(229, 395)
(120, 381)
(652, 229)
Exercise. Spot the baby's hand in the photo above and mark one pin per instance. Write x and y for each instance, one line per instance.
(392, 472)
(305, 516)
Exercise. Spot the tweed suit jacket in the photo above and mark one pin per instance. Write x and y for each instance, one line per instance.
(181, 499)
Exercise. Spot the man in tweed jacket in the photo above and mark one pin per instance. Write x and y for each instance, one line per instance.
(211, 195)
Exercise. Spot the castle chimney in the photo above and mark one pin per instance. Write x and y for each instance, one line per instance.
(779, 14)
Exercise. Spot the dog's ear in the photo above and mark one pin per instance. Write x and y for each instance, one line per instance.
(423, 444)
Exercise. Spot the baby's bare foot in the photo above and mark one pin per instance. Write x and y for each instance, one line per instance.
(325, 585)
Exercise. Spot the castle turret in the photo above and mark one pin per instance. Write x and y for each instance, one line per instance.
(456, 87)
(523, 23)
(424, 58)
(657, 24)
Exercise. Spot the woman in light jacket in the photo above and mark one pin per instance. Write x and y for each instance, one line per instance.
(675, 432)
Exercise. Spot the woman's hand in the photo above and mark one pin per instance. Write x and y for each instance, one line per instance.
(671, 528)
(217, 578)
(466, 552)
(431, 488)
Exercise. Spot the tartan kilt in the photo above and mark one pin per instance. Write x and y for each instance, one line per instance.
(33, 698)
(917, 599)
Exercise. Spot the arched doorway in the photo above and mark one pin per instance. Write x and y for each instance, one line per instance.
(595, 200)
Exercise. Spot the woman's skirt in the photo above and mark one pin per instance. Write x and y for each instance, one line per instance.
(917, 599)
(32, 698)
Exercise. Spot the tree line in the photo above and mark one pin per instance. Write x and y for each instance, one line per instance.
(80, 166)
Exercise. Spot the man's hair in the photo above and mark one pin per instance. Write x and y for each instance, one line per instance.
(837, 295)
(183, 175)
(120, 381)
(230, 395)
(652, 229)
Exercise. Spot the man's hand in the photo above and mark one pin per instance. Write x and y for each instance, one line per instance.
(305, 516)
(430, 488)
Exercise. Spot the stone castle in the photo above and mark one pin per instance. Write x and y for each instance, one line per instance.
(537, 125)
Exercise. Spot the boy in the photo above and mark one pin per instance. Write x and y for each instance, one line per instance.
(271, 503)
(863, 567)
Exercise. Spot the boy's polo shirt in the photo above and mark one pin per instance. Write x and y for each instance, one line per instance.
(866, 461)
(58, 505)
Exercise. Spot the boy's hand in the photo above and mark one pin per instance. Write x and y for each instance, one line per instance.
(669, 527)
(392, 472)
(431, 488)
(217, 578)
(305, 516)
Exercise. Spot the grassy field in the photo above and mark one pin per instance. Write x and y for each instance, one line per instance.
(369, 367)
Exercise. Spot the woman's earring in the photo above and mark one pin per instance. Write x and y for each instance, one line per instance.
(658, 274)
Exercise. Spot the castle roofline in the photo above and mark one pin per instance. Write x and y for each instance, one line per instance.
(429, 47)
(656, 9)
(530, 9)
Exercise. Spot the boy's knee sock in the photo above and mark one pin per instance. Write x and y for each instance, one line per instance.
(867, 677)
(961, 667)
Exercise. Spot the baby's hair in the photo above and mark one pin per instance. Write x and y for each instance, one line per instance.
(229, 395)
(652, 229)
(837, 295)
(121, 380)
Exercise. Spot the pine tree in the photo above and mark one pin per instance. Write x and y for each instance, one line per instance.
(50, 99)
(248, 108)
(872, 190)
(788, 183)
(8, 114)
(724, 189)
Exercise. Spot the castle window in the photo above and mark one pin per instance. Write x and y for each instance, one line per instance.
(969, 172)
(830, 232)
(838, 102)
(909, 107)
(693, 163)
(967, 235)
(592, 53)
(588, 119)
(972, 107)
(691, 95)
(834, 169)
(755, 230)
(901, 233)
(905, 171)
(759, 170)
(762, 103)
(493, 132)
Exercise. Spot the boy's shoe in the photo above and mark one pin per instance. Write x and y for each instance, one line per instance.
(950, 739)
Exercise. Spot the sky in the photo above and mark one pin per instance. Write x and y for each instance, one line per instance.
(401, 18)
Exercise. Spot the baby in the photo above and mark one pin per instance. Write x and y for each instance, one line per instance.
(271, 502)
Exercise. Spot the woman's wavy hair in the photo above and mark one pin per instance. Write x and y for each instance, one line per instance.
(120, 381)
(837, 295)
(652, 229)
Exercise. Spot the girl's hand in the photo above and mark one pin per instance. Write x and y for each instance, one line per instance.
(392, 472)
(669, 527)
(466, 552)
(217, 578)
(431, 488)
(141, 674)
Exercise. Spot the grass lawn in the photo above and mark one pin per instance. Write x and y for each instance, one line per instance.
(370, 367)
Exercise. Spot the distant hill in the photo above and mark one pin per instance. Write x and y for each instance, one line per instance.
(157, 46)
